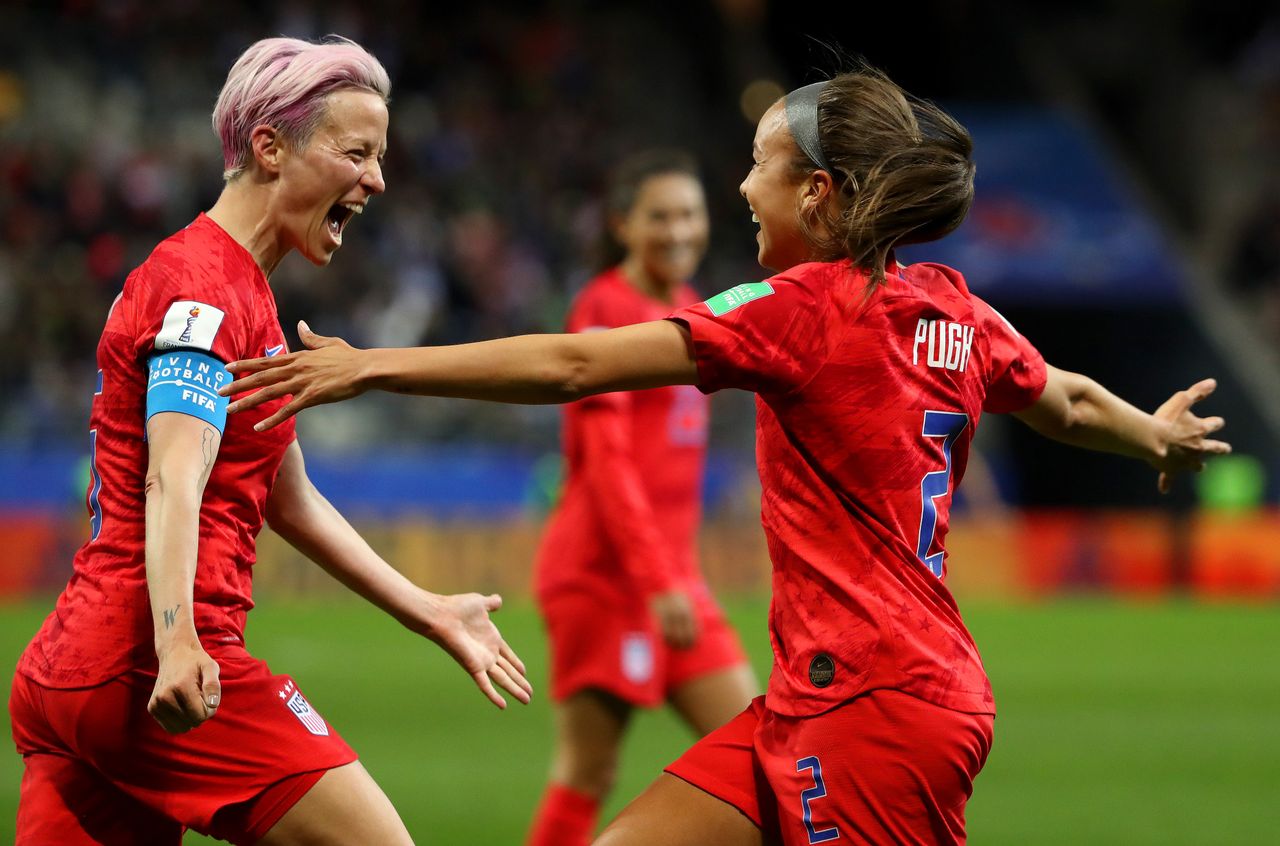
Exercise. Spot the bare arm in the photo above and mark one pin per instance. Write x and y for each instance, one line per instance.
(1076, 410)
(181, 452)
(527, 369)
(460, 624)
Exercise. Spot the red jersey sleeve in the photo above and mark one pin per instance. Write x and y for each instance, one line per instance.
(1016, 369)
(178, 307)
(767, 337)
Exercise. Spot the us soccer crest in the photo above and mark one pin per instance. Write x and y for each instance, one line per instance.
(301, 708)
(637, 657)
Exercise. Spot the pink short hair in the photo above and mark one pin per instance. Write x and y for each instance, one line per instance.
(283, 82)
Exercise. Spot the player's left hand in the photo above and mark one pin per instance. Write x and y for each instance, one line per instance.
(460, 624)
(1184, 436)
(328, 370)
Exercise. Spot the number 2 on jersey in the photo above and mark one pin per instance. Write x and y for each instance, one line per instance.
(946, 425)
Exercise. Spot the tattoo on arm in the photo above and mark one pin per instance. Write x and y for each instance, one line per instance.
(207, 447)
(171, 616)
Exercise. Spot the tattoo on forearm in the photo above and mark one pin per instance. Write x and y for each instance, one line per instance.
(207, 447)
(171, 616)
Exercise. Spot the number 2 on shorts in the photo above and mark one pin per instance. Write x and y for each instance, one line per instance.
(946, 425)
(818, 790)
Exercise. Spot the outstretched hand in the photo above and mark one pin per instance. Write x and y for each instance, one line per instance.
(461, 626)
(328, 370)
(1184, 436)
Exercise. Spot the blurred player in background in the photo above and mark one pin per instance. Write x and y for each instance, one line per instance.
(153, 617)
(870, 378)
(629, 615)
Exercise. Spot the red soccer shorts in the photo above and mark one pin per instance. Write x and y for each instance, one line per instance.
(597, 644)
(98, 768)
(884, 768)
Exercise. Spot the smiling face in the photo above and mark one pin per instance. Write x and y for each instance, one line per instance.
(329, 181)
(775, 192)
(664, 232)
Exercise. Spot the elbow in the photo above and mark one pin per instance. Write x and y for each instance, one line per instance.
(572, 379)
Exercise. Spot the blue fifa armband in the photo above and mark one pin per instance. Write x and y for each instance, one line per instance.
(187, 381)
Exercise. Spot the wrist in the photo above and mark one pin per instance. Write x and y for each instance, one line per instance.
(424, 615)
(180, 638)
(371, 371)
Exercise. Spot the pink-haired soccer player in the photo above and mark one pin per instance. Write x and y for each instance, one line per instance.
(153, 617)
(870, 377)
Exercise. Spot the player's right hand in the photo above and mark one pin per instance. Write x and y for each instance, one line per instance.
(676, 618)
(187, 690)
(328, 370)
(1184, 437)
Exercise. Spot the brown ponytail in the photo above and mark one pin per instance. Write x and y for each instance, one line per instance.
(902, 167)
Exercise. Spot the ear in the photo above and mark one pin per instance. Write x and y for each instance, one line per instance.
(815, 189)
(268, 147)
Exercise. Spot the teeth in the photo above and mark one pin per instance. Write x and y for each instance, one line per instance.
(354, 208)
(755, 218)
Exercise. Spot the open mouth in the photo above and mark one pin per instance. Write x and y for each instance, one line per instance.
(339, 216)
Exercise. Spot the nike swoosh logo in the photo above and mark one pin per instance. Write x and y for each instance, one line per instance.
(276, 350)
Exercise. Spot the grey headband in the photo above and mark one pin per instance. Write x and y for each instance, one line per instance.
(802, 120)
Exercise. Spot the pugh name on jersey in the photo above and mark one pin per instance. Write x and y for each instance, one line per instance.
(947, 344)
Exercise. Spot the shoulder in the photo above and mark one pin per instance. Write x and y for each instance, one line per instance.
(201, 263)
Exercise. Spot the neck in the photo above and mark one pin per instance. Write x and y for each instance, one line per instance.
(245, 211)
(646, 283)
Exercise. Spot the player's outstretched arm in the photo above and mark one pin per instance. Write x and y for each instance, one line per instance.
(181, 452)
(1076, 410)
(460, 624)
(526, 369)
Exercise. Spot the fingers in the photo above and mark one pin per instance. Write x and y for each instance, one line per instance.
(179, 709)
(486, 687)
(311, 340)
(266, 394)
(522, 689)
(1179, 403)
(210, 688)
(508, 653)
(492, 602)
(1201, 389)
(284, 413)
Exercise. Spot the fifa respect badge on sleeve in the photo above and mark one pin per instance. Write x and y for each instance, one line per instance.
(189, 325)
(739, 295)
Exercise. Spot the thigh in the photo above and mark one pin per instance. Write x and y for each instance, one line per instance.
(345, 806)
(67, 802)
(710, 700)
(597, 644)
(885, 768)
(725, 766)
(675, 813)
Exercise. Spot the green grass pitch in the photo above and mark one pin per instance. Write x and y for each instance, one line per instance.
(1120, 723)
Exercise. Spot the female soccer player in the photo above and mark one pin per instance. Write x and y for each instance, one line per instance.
(153, 617)
(629, 615)
(870, 377)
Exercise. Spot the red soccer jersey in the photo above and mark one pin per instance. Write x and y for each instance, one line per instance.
(199, 290)
(865, 410)
(628, 520)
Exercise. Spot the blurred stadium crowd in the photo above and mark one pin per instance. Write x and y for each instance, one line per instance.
(505, 120)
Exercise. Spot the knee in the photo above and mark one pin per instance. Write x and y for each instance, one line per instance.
(591, 772)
